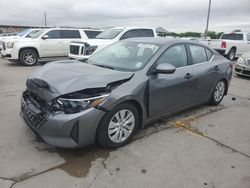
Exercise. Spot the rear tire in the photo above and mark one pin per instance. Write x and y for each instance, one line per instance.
(118, 126)
(28, 57)
(231, 54)
(218, 93)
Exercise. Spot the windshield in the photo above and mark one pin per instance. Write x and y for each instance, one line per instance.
(109, 34)
(32, 33)
(24, 32)
(37, 34)
(124, 56)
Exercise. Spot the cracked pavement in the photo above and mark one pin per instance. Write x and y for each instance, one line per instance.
(201, 147)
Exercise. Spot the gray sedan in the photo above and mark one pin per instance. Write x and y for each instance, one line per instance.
(120, 89)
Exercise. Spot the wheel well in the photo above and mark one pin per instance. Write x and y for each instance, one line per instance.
(233, 48)
(28, 48)
(139, 109)
(225, 80)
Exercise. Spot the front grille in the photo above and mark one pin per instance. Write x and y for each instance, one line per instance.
(246, 72)
(35, 118)
(74, 49)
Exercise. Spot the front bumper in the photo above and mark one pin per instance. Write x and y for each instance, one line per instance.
(242, 69)
(63, 130)
(78, 57)
(9, 54)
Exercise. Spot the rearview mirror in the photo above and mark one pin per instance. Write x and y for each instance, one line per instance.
(45, 37)
(165, 68)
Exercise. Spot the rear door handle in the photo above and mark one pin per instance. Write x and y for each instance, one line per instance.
(188, 76)
(216, 68)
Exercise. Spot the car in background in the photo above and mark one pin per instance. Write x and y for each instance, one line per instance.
(231, 45)
(83, 49)
(120, 89)
(242, 66)
(9, 37)
(45, 44)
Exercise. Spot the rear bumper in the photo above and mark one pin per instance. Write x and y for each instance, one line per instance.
(242, 69)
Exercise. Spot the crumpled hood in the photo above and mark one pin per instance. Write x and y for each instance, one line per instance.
(59, 78)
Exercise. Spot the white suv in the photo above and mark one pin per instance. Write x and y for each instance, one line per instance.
(83, 49)
(47, 43)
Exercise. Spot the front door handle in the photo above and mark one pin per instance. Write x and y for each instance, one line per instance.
(188, 76)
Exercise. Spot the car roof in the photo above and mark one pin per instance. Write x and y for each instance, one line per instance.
(161, 40)
(132, 27)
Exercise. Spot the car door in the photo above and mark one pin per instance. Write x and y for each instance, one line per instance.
(171, 92)
(205, 72)
(51, 45)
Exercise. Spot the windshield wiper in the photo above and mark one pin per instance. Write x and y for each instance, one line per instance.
(104, 66)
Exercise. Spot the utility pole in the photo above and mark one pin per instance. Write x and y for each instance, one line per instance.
(45, 19)
(208, 15)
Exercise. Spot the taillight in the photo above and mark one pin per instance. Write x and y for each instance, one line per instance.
(223, 44)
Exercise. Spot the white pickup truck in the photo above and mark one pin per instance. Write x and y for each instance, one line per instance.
(46, 44)
(230, 45)
(83, 49)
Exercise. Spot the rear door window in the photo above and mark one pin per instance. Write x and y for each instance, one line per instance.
(91, 34)
(146, 33)
(70, 34)
(209, 54)
(198, 53)
(232, 36)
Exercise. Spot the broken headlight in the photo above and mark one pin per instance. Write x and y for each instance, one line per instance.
(70, 105)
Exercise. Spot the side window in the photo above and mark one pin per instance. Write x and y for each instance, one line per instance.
(146, 33)
(130, 34)
(198, 54)
(175, 55)
(70, 34)
(91, 34)
(54, 34)
(209, 54)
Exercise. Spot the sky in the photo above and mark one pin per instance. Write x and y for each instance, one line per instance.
(173, 15)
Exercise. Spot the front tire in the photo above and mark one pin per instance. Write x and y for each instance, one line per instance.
(28, 57)
(118, 126)
(231, 54)
(218, 93)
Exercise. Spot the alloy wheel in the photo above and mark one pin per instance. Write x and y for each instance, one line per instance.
(219, 91)
(121, 126)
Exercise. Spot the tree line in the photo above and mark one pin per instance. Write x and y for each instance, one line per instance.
(211, 34)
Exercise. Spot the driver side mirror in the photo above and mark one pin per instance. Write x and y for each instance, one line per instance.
(44, 37)
(165, 68)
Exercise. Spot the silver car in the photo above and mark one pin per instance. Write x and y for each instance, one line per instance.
(120, 89)
(242, 66)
